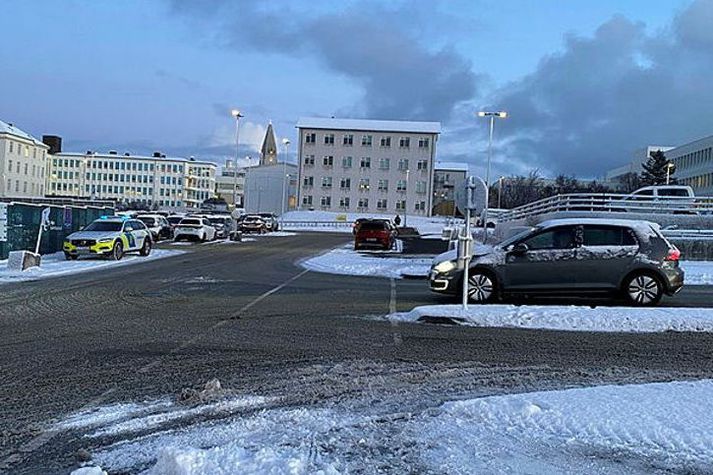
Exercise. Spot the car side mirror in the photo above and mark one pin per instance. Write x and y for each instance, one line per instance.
(520, 248)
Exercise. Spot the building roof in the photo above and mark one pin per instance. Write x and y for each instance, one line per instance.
(451, 166)
(132, 156)
(268, 149)
(369, 125)
(10, 129)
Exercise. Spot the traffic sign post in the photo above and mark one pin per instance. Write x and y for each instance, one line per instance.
(44, 223)
(472, 198)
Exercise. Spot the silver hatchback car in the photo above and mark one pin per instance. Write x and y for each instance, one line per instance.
(569, 257)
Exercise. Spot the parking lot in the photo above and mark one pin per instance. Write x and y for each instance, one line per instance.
(251, 316)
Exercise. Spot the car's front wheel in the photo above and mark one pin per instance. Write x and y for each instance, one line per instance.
(146, 248)
(117, 251)
(481, 286)
(68, 256)
(643, 289)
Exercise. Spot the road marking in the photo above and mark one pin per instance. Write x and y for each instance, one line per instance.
(392, 309)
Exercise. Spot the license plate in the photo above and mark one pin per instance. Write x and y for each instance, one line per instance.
(371, 239)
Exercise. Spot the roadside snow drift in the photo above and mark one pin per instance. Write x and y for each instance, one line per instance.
(657, 427)
(54, 265)
(573, 318)
(346, 261)
(698, 272)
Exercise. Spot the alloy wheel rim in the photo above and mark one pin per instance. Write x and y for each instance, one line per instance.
(643, 289)
(480, 287)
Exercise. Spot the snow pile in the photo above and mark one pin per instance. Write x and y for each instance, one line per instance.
(88, 471)
(425, 225)
(346, 261)
(277, 234)
(570, 318)
(54, 265)
(698, 272)
(657, 427)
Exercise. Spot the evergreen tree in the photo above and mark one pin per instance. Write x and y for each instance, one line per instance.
(655, 170)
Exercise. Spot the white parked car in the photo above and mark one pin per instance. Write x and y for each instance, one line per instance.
(677, 199)
(194, 228)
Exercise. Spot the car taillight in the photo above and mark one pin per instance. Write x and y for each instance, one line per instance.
(673, 255)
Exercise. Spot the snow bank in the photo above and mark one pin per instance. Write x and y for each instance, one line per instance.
(645, 428)
(346, 261)
(569, 318)
(54, 265)
(698, 272)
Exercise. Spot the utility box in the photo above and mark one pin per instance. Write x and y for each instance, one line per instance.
(22, 260)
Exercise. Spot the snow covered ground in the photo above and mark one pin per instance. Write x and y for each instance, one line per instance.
(644, 428)
(54, 265)
(387, 264)
(425, 225)
(568, 318)
(698, 272)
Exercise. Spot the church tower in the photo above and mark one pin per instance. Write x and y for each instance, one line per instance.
(268, 151)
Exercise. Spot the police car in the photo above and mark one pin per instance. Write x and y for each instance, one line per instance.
(109, 236)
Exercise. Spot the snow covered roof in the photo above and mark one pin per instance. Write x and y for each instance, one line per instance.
(369, 125)
(451, 166)
(10, 129)
(132, 157)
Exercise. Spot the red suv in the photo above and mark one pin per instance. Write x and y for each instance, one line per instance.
(374, 234)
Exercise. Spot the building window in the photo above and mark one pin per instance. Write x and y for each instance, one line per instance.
(401, 185)
(366, 140)
(346, 162)
(329, 139)
(420, 206)
(345, 183)
(385, 142)
(422, 165)
(325, 201)
(311, 138)
(308, 181)
(11, 144)
(326, 182)
(348, 140)
(383, 185)
(363, 203)
(420, 186)
(9, 164)
(309, 160)
(384, 163)
(381, 204)
(344, 202)
(423, 142)
(401, 205)
(365, 162)
(404, 142)
(364, 184)
(403, 164)
(328, 160)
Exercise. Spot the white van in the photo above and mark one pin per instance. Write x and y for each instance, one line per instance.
(679, 199)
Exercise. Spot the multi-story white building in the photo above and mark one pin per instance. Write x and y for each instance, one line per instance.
(615, 176)
(378, 166)
(22, 163)
(172, 183)
(694, 165)
(228, 184)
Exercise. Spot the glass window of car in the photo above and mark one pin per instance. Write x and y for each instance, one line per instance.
(148, 220)
(205, 222)
(191, 222)
(128, 226)
(104, 226)
(372, 226)
(608, 236)
(557, 238)
(174, 219)
(673, 192)
(644, 193)
(138, 225)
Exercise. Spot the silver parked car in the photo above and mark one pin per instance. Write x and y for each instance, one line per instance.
(575, 257)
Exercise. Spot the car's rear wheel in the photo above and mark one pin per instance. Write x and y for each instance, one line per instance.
(643, 289)
(117, 251)
(146, 248)
(481, 286)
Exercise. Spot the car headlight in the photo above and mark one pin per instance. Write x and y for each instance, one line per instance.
(445, 266)
(106, 240)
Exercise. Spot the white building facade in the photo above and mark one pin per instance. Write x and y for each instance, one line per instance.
(229, 183)
(270, 188)
(615, 176)
(373, 166)
(694, 165)
(23, 163)
(169, 183)
(447, 178)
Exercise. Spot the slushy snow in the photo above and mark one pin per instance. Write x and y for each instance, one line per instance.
(644, 428)
(346, 261)
(568, 318)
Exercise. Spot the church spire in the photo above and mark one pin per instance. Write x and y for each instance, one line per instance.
(268, 151)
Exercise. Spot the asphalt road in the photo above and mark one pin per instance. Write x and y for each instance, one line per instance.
(248, 315)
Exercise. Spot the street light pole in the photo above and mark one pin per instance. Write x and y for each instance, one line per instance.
(500, 192)
(669, 166)
(406, 197)
(236, 113)
(286, 144)
(492, 116)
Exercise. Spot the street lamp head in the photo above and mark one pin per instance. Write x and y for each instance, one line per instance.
(500, 114)
(482, 114)
(236, 113)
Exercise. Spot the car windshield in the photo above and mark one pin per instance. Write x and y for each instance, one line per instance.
(513, 239)
(147, 220)
(104, 226)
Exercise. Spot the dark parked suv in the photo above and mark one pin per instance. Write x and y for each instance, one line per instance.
(573, 257)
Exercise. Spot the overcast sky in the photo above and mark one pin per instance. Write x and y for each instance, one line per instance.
(585, 82)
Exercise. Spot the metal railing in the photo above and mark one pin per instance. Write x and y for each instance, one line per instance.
(316, 224)
(611, 203)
